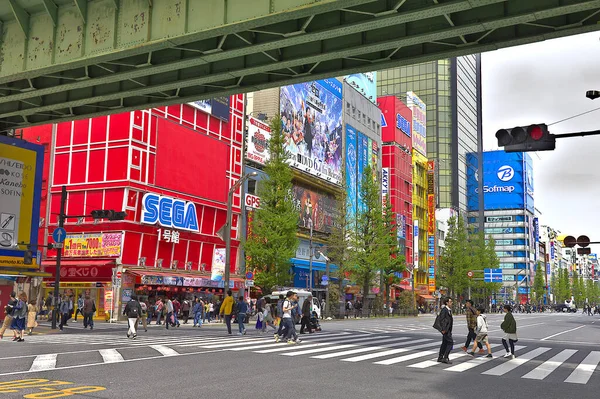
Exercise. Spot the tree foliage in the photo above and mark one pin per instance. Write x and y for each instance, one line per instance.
(395, 261)
(539, 283)
(272, 241)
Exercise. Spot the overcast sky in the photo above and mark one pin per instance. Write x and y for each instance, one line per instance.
(546, 82)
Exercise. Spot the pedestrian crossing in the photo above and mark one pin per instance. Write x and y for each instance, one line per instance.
(534, 362)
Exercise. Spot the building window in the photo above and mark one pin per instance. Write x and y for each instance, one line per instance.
(252, 186)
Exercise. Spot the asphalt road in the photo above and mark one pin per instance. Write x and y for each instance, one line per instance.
(557, 357)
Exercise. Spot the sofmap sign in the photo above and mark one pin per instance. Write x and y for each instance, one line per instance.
(169, 212)
(504, 181)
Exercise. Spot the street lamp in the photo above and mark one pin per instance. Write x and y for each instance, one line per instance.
(232, 190)
(327, 260)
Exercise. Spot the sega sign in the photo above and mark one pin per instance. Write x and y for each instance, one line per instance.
(403, 125)
(252, 201)
(169, 212)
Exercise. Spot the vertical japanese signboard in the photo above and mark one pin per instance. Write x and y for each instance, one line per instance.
(419, 122)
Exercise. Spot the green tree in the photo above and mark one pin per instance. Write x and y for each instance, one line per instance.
(395, 262)
(592, 291)
(272, 241)
(539, 285)
(578, 289)
(368, 253)
(554, 286)
(564, 285)
(455, 261)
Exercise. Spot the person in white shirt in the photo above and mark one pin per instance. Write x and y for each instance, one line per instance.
(482, 332)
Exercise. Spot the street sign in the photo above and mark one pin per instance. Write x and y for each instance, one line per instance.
(249, 276)
(119, 275)
(249, 283)
(59, 234)
(470, 274)
(492, 275)
(58, 246)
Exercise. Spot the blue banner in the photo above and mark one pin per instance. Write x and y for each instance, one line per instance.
(365, 83)
(351, 171)
(362, 162)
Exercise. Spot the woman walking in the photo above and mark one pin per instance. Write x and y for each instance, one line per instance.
(19, 316)
(268, 318)
(32, 311)
(509, 326)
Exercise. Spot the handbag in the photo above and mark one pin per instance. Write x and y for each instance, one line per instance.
(259, 324)
(437, 324)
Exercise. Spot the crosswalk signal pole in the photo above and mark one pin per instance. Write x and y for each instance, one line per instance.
(61, 223)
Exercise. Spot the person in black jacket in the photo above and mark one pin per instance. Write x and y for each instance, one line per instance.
(306, 315)
(445, 327)
(133, 310)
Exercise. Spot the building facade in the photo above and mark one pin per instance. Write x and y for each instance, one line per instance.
(170, 169)
(396, 173)
(509, 215)
(451, 89)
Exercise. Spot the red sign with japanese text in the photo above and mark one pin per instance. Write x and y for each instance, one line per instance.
(431, 214)
(83, 273)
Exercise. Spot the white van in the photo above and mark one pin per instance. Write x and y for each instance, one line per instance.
(302, 296)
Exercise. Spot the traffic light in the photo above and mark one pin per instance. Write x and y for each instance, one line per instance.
(526, 138)
(108, 214)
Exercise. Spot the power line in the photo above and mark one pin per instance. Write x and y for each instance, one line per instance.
(574, 116)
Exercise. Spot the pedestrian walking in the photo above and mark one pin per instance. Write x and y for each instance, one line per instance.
(133, 311)
(509, 326)
(63, 310)
(198, 310)
(8, 311)
(226, 309)
(471, 314)
(159, 310)
(444, 323)
(89, 308)
(242, 310)
(268, 318)
(79, 307)
(32, 311)
(176, 309)
(279, 309)
(144, 316)
(185, 310)
(481, 332)
(168, 308)
(19, 317)
(306, 312)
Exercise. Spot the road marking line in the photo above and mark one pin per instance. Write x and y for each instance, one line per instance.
(560, 333)
(44, 362)
(320, 349)
(434, 362)
(364, 349)
(318, 344)
(478, 361)
(584, 371)
(391, 352)
(231, 343)
(544, 369)
(514, 363)
(165, 350)
(111, 356)
(404, 358)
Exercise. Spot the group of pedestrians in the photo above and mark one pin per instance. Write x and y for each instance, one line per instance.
(478, 331)
(19, 316)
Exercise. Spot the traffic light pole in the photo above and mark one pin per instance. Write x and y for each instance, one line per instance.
(61, 223)
(577, 134)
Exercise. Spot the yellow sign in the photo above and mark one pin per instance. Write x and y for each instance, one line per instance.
(431, 285)
(21, 169)
(93, 245)
(17, 262)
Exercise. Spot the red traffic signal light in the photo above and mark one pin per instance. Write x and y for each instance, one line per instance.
(522, 139)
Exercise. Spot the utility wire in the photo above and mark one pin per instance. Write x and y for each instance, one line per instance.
(574, 116)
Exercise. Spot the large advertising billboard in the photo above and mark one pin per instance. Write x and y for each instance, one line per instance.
(257, 142)
(504, 181)
(419, 122)
(312, 123)
(365, 83)
(316, 207)
(217, 107)
(351, 171)
(21, 168)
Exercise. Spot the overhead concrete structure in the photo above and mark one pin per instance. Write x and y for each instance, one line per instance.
(67, 59)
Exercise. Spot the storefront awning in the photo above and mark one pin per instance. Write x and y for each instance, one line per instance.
(79, 262)
(18, 273)
(427, 297)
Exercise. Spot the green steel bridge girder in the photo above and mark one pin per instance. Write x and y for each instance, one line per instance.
(70, 59)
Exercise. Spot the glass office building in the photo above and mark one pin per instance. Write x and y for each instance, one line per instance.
(451, 90)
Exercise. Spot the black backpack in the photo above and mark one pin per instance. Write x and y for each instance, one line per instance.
(133, 310)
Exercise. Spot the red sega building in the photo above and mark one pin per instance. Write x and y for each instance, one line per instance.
(396, 162)
(180, 153)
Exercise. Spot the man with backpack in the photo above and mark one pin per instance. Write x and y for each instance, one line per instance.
(471, 314)
(132, 310)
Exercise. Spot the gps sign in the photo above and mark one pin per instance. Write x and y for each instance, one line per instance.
(252, 201)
